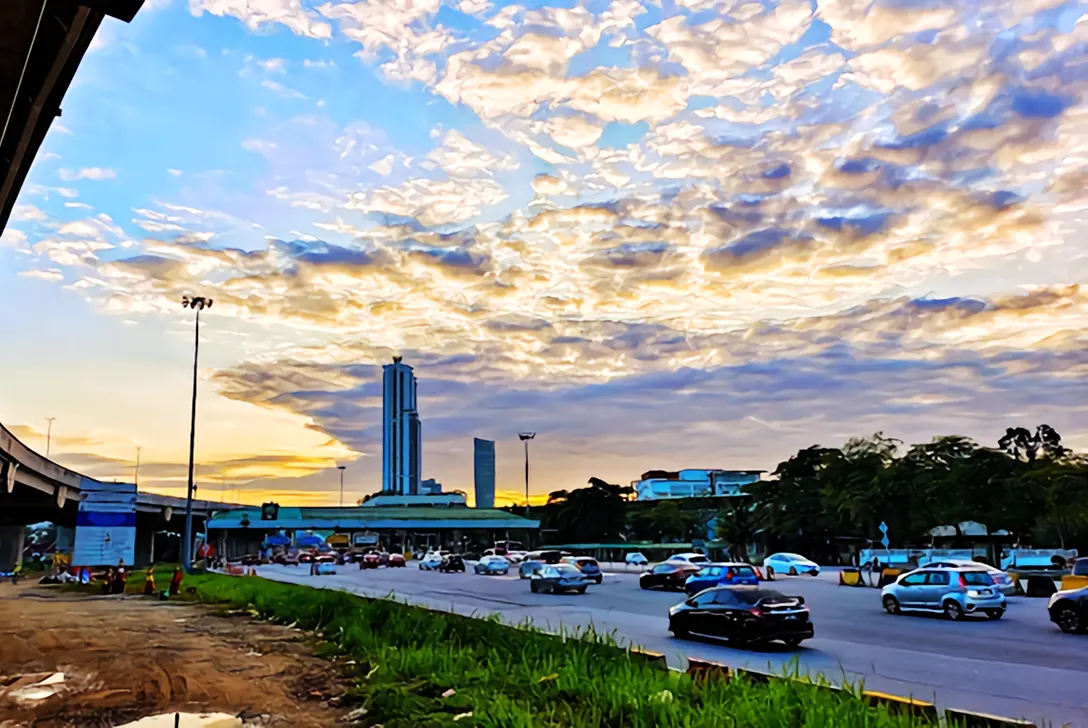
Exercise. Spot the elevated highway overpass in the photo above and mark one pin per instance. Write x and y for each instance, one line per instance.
(33, 489)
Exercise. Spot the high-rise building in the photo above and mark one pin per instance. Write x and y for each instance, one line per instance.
(484, 471)
(402, 441)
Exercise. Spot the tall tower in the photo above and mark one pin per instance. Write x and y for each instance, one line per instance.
(402, 451)
(484, 471)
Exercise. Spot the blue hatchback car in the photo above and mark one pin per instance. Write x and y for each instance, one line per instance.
(724, 574)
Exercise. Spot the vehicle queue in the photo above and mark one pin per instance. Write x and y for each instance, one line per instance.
(731, 600)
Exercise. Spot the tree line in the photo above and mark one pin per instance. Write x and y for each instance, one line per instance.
(1029, 485)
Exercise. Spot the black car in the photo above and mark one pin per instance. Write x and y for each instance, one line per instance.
(744, 614)
(667, 576)
(1069, 610)
(451, 563)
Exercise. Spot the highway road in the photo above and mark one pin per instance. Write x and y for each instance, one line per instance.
(1020, 666)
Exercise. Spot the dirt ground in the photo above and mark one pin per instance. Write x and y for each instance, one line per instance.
(124, 658)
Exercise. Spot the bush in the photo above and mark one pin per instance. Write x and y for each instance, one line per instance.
(408, 657)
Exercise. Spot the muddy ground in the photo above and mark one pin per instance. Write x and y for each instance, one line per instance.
(128, 657)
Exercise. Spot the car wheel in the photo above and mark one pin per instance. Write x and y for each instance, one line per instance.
(793, 571)
(600, 579)
(995, 613)
(793, 641)
(953, 610)
(534, 588)
(1068, 619)
(581, 590)
(770, 574)
(891, 605)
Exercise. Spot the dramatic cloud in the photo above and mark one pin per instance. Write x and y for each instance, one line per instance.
(698, 233)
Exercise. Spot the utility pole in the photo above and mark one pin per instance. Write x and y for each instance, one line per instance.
(525, 437)
(198, 304)
(49, 434)
(341, 468)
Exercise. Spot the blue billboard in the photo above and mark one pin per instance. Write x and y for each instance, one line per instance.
(105, 524)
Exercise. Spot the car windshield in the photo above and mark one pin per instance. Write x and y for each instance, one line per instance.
(977, 578)
(752, 596)
(587, 562)
(567, 570)
(792, 557)
(1080, 568)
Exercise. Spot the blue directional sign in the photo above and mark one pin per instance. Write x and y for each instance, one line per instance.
(884, 530)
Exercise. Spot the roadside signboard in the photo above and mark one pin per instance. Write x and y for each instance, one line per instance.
(105, 524)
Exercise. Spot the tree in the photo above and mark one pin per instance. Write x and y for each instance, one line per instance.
(1019, 442)
(792, 507)
(736, 525)
(588, 515)
(1063, 506)
(664, 521)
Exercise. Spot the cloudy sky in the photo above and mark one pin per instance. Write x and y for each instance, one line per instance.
(698, 233)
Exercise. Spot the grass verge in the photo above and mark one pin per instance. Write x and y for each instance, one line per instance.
(420, 668)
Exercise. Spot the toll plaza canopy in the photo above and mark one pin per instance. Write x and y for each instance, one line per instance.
(378, 518)
(41, 44)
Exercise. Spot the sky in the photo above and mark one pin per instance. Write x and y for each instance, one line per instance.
(693, 233)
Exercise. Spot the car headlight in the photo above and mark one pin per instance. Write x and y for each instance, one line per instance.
(973, 593)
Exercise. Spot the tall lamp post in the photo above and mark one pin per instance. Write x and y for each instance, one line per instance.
(49, 434)
(198, 304)
(341, 468)
(525, 437)
(137, 475)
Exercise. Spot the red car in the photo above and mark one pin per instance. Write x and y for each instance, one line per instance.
(396, 560)
(370, 561)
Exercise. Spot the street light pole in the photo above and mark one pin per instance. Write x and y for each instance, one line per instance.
(198, 304)
(525, 437)
(137, 476)
(49, 434)
(341, 468)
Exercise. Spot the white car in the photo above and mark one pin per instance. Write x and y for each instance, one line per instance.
(492, 565)
(431, 561)
(792, 564)
(688, 559)
(514, 557)
(1002, 580)
(635, 559)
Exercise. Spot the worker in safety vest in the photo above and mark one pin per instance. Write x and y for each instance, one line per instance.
(149, 585)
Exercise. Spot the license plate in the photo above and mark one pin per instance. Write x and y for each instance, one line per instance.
(791, 616)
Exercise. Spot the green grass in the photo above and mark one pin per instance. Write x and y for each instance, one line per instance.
(405, 658)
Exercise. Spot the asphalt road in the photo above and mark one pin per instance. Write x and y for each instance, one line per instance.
(1020, 666)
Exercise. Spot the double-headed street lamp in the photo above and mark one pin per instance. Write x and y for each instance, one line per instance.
(341, 468)
(198, 304)
(525, 437)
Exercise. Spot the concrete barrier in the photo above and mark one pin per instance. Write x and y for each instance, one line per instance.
(967, 719)
(850, 577)
(755, 676)
(657, 659)
(904, 706)
(1074, 582)
(704, 670)
(888, 576)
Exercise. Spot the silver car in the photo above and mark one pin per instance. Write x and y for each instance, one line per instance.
(955, 592)
(1002, 580)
